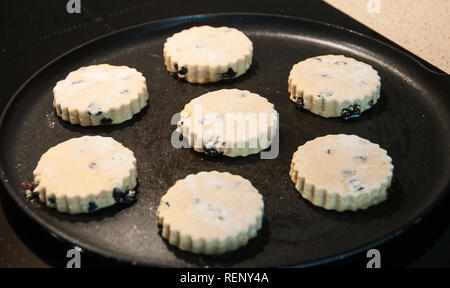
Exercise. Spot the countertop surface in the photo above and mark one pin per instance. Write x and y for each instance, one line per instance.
(39, 31)
(420, 26)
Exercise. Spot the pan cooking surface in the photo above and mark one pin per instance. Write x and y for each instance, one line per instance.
(410, 121)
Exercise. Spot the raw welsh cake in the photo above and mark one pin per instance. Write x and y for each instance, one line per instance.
(208, 54)
(85, 174)
(100, 94)
(229, 122)
(334, 86)
(342, 172)
(210, 212)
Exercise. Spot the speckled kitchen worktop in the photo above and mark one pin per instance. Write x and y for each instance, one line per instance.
(420, 26)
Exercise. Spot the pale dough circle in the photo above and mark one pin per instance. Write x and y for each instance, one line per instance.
(208, 54)
(334, 86)
(342, 172)
(210, 212)
(85, 174)
(100, 94)
(229, 122)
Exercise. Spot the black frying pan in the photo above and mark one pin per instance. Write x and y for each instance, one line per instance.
(411, 121)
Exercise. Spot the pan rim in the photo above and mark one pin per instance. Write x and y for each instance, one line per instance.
(62, 236)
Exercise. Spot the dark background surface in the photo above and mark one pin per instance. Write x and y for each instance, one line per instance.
(35, 32)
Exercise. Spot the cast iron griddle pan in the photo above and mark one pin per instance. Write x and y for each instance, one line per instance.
(410, 121)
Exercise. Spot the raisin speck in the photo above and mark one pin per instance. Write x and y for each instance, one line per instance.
(117, 194)
(348, 172)
(351, 111)
(129, 198)
(92, 206)
(94, 109)
(329, 151)
(106, 121)
(299, 102)
(123, 197)
(229, 74)
(221, 218)
(174, 74)
(327, 76)
(95, 114)
(356, 184)
(196, 200)
(52, 199)
(28, 186)
(76, 82)
(325, 93)
(318, 59)
(124, 91)
(92, 165)
(167, 203)
(362, 158)
(340, 63)
(370, 104)
(183, 71)
(212, 152)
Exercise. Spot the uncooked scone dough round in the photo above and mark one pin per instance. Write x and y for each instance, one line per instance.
(100, 94)
(342, 172)
(334, 86)
(85, 174)
(229, 122)
(208, 54)
(210, 212)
